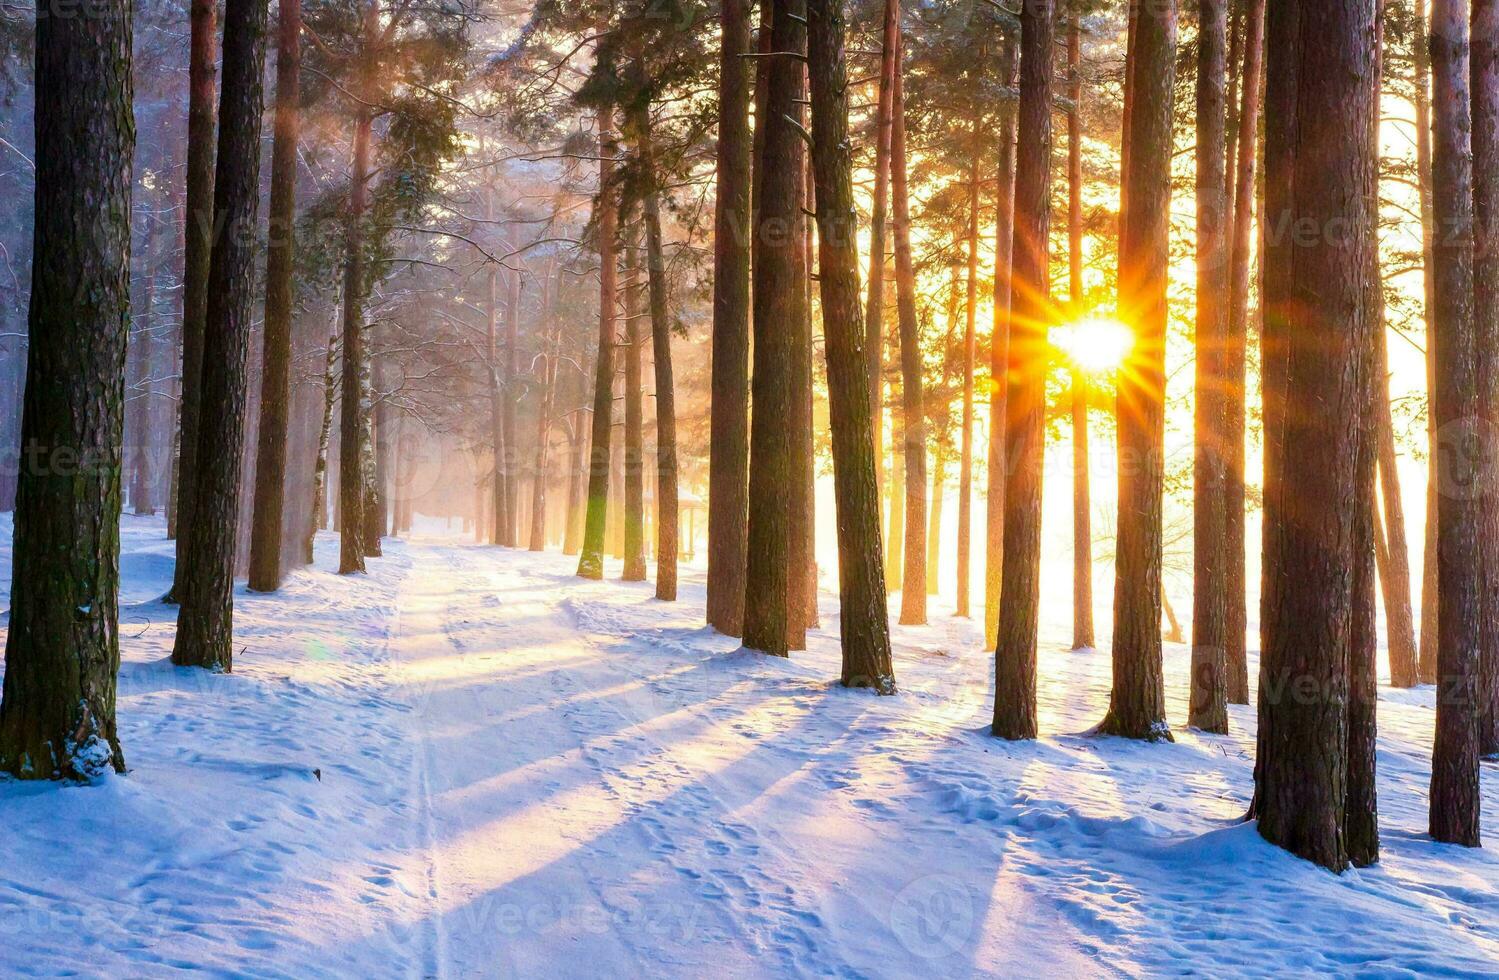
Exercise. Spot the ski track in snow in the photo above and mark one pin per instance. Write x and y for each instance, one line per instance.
(526, 774)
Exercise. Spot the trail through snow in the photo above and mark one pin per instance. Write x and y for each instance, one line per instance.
(472, 763)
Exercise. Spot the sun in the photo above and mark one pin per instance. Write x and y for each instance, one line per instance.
(1096, 345)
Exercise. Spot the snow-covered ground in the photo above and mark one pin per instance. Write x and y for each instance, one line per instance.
(470, 763)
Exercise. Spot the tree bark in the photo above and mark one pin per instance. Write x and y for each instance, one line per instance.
(1082, 506)
(863, 624)
(1454, 765)
(728, 464)
(509, 517)
(1208, 707)
(141, 357)
(205, 620)
(1321, 67)
(197, 246)
(320, 464)
(1485, 71)
(1235, 343)
(1361, 808)
(999, 351)
(351, 489)
(800, 499)
(1394, 571)
(591, 556)
(1025, 433)
(1137, 702)
(970, 357)
(275, 377)
(913, 577)
(538, 523)
(874, 307)
(667, 522)
(62, 655)
(634, 570)
(572, 534)
(496, 403)
(1421, 57)
(777, 269)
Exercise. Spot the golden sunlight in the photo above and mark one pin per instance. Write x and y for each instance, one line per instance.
(1096, 345)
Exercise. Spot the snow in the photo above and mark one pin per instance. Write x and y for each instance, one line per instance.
(469, 762)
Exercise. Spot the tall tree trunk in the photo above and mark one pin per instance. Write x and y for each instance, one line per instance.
(205, 619)
(615, 526)
(496, 405)
(667, 522)
(1208, 705)
(1137, 701)
(141, 352)
(1421, 58)
(999, 352)
(1394, 573)
(591, 557)
(1454, 764)
(1321, 67)
(874, 307)
(62, 654)
(1082, 504)
(1361, 807)
(1025, 433)
(777, 318)
(970, 358)
(799, 494)
(275, 371)
(812, 615)
(728, 464)
(369, 470)
(351, 490)
(634, 570)
(197, 246)
(934, 515)
(572, 535)
(509, 517)
(1235, 622)
(895, 536)
(863, 625)
(913, 578)
(1485, 68)
(320, 464)
(538, 524)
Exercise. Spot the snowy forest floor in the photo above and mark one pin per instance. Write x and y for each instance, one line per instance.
(471, 763)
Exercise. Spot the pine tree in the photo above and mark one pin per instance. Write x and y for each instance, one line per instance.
(728, 469)
(1137, 701)
(275, 386)
(197, 249)
(205, 621)
(1455, 403)
(999, 351)
(1234, 347)
(874, 307)
(666, 411)
(591, 556)
(634, 570)
(863, 623)
(913, 414)
(777, 268)
(62, 655)
(1024, 440)
(1208, 704)
(1082, 518)
(1485, 71)
(1320, 65)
